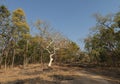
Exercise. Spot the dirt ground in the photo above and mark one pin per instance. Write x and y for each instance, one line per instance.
(34, 74)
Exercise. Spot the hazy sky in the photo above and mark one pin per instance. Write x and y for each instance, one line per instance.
(71, 17)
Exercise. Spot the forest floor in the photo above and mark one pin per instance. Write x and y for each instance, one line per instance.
(34, 74)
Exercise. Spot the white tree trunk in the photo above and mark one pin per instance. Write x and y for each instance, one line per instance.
(51, 54)
(51, 59)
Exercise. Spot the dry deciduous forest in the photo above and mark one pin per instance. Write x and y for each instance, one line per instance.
(45, 56)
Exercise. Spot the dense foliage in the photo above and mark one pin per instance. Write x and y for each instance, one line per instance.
(103, 45)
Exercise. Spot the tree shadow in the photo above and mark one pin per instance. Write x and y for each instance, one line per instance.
(113, 73)
(62, 77)
(33, 81)
(36, 72)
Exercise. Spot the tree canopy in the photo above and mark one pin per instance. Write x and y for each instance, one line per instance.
(103, 45)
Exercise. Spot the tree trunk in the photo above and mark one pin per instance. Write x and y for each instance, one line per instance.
(41, 60)
(1, 61)
(6, 56)
(13, 58)
(25, 54)
(51, 59)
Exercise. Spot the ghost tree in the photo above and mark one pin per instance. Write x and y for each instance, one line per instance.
(55, 44)
(51, 40)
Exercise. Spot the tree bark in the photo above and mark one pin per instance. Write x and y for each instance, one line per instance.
(1, 61)
(13, 58)
(51, 59)
(6, 56)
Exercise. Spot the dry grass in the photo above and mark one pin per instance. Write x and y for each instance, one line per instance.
(18, 73)
(57, 73)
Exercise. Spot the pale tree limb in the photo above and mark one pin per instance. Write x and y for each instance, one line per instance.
(54, 51)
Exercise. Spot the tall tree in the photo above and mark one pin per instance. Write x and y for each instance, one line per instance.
(21, 30)
(5, 32)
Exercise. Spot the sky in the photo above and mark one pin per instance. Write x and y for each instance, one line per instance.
(73, 18)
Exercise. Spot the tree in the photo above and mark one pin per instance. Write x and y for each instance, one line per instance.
(102, 45)
(21, 31)
(51, 40)
(5, 32)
